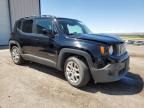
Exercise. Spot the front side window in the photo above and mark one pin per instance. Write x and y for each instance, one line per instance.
(43, 24)
(27, 26)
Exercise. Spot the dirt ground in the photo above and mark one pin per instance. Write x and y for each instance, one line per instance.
(136, 51)
(36, 86)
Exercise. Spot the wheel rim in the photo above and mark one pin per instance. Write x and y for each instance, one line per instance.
(15, 54)
(73, 72)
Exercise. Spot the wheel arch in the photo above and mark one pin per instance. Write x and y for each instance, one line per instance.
(67, 52)
(14, 43)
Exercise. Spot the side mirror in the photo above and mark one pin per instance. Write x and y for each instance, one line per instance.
(47, 32)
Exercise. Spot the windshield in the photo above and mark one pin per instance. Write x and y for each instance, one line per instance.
(70, 27)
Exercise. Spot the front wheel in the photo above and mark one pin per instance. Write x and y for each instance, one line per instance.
(76, 72)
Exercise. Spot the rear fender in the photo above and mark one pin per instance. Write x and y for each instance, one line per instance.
(13, 42)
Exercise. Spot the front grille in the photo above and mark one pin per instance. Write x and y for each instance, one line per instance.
(120, 49)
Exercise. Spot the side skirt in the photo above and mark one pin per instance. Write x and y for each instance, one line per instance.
(40, 60)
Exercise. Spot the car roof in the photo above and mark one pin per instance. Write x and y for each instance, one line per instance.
(45, 16)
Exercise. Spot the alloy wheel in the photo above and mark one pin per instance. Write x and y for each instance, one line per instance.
(73, 72)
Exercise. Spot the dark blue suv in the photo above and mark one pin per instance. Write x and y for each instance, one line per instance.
(69, 46)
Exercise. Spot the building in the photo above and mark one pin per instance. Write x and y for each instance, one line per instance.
(11, 10)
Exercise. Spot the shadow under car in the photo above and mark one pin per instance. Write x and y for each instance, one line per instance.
(129, 85)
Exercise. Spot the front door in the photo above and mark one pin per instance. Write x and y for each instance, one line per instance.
(45, 44)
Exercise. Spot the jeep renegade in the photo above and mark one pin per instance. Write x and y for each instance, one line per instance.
(69, 46)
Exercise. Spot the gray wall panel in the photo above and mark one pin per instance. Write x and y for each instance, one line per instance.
(18, 9)
(23, 8)
(4, 22)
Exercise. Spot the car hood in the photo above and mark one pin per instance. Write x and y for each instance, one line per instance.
(104, 38)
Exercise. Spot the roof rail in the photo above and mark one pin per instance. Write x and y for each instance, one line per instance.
(48, 16)
(51, 16)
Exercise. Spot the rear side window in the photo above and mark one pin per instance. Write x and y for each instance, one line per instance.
(27, 26)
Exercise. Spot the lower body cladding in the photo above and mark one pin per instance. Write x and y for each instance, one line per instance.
(111, 72)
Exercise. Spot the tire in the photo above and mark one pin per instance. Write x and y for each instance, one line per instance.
(76, 72)
(15, 55)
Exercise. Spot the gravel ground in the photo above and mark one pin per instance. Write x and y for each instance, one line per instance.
(136, 51)
(36, 86)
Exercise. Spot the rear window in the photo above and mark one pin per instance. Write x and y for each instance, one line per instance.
(19, 24)
(27, 26)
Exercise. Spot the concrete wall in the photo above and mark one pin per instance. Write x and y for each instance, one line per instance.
(23, 8)
(4, 22)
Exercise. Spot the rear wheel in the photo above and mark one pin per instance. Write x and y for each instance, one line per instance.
(15, 55)
(76, 72)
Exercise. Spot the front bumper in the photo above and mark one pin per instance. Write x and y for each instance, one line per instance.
(111, 72)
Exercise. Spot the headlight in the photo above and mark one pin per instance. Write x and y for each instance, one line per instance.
(110, 50)
(121, 49)
(105, 51)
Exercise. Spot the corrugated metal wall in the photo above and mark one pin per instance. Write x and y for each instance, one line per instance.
(23, 8)
(18, 9)
(4, 22)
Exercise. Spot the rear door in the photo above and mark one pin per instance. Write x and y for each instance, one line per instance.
(26, 36)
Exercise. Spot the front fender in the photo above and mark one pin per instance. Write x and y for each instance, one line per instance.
(64, 51)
